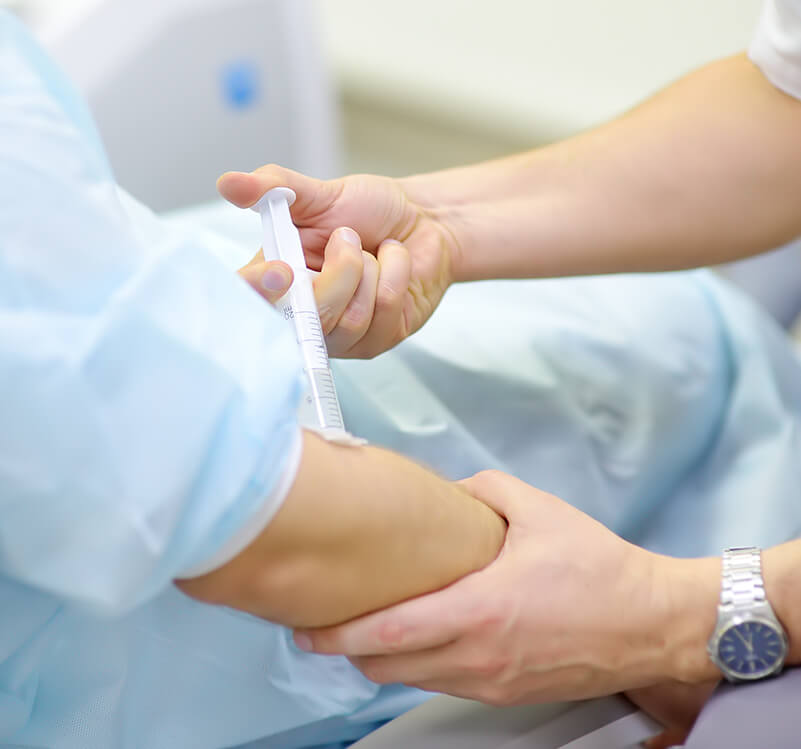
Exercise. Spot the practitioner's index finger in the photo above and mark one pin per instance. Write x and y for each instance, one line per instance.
(418, 624)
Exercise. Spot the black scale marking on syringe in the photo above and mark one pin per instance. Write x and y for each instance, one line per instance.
(281, 241)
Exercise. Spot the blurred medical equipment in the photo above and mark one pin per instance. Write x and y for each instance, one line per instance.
(281, 241)
(183, 90)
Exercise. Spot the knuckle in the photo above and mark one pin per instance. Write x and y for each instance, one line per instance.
(487, 668)
(387, 296)
(492, 617)
(359, 311)
(493, 474)
(343, 254)
(391, 635)
(489, 664)
(328, 319)
(493, 694)
(487, 478)
(270, 168)
(504, 691)
(355, 318)
(350, 258)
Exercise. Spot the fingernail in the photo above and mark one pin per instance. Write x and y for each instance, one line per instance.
(275, 280)
(303, 642)
(346, 234)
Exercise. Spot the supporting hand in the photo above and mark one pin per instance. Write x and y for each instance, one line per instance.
(568, 610)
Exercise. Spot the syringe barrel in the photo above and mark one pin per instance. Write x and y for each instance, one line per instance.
(281, 241)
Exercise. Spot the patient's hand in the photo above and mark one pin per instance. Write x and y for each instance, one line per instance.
(372, 298)
(360, 528)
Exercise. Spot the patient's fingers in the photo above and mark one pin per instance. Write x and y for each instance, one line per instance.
(422, 623)
(270, 279)
(355, 320)
(339, 277)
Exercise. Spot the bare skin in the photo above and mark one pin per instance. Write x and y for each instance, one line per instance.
(360, 529)
(707, 171)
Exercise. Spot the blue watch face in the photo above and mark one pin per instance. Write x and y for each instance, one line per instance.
(751, 649)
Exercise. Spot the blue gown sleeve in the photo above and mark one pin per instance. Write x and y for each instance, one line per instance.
(147, 395)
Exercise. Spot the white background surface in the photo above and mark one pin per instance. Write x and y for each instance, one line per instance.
(430, 83)
(524, 68)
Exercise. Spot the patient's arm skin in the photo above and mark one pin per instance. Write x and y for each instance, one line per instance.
(361, 528)
(568, 611)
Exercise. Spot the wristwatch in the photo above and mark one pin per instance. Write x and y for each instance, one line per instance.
(749, 642)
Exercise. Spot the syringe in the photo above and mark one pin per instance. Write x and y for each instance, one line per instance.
(281, 241)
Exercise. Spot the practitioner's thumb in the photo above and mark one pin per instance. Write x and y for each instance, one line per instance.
(271, 279)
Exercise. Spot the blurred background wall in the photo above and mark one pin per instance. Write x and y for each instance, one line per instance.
(184, 89)
(431, 83)
(423, 84)
(426, 84)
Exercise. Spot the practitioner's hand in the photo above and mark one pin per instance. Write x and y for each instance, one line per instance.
(568, 610)
(271, 279)
(369, 299)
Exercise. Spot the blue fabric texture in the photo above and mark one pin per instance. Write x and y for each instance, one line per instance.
(667, 406)
(148, 402)
(147, 415)
(148, 398)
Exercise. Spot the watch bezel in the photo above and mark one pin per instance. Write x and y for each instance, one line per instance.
(735, 620)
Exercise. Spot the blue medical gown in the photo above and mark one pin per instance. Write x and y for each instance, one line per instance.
(147, 400)
(147, 397)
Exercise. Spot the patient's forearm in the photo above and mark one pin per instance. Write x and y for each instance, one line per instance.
(360, 529)
(707, 171)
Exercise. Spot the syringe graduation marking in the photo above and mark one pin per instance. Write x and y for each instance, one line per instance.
(282, 242)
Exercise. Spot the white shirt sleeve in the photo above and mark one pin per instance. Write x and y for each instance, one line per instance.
(776, 47)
